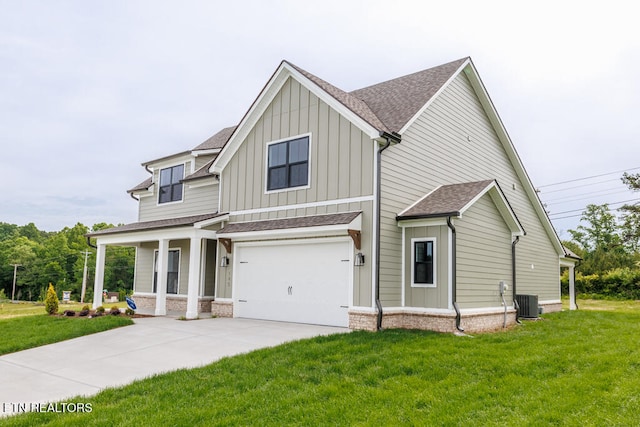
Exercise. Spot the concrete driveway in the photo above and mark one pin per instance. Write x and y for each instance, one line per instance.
(86, 365)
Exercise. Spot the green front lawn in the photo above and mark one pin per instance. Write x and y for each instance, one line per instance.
(21, 333)
(572, 368)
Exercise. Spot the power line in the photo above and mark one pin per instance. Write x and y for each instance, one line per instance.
(582, 185)
(587, 196)
(579, 210)
(587, 177)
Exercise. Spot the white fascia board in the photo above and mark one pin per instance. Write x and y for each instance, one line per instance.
(202, 182)
(212, 221)
(489, 108)
(134, 237)
(434, 97)
(197, 153)
(503, 206)
(423, 222)
(265, 97)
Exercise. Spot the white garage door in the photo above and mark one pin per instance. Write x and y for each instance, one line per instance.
(294, 282)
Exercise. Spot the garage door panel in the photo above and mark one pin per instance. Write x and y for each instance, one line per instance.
(305, 283)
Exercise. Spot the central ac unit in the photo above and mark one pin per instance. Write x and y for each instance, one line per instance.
(528, 306)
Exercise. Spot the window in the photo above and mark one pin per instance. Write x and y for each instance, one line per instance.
(170, 185)
(172, 271)
(288, 164)
(424, 266)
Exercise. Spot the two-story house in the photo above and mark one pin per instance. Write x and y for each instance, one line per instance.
(402, 204)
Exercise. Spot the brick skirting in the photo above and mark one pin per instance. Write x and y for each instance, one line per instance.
(174, 303)
(406, 319)
(222, 308)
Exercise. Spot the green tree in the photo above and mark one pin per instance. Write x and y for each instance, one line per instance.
(51, 302)
(600, 238)
(631, 214)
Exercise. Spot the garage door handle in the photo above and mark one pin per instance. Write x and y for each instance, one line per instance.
(344, 306)
(242, 300)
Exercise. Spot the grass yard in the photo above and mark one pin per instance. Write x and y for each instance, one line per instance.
(9, 310)
(572, 368)
(23, 332)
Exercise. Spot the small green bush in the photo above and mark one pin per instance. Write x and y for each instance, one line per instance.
(100, 309)
(51, 301)
(129, 312)
(115, 311)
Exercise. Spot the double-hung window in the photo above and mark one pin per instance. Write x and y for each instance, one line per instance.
(171, 184)
(288, 164)
(424, 266)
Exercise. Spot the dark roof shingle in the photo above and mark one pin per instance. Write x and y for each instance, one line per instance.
(396, 101)
(286, 223)
(217, 141)
(154, 225)
(447, 200)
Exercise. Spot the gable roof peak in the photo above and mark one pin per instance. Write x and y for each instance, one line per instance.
(398, 100)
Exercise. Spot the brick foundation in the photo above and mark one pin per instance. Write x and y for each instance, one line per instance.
(222, 308)
(174, 303)
(445, 322)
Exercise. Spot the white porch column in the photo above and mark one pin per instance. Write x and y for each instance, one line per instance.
(98, 285)
(195, 255)
(161, 286)
(572, 289)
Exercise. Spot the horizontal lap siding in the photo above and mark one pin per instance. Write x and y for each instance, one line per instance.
(425, 297)
(483, 247)
(454, 142)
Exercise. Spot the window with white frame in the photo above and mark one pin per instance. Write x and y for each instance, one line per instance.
(171, 184)
(288, 164)
(423, 262)
(173, 271)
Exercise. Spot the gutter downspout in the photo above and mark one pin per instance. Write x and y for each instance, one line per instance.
(453, 274)
(388, 137)
(90, 244)
(513, 278)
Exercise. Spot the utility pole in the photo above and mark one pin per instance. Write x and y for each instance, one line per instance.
(15, 272)
(84, 277)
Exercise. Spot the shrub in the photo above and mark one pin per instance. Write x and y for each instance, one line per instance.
(83, 313)
(129, 312)
(115, 311)
(86, 307)
(100, 310)
(51, 302)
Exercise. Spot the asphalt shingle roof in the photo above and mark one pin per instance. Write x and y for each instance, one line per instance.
(154, 225)
(448, 200)
(286, 223)
(218, 140)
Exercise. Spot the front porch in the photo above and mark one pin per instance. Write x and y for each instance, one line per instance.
(176, 261)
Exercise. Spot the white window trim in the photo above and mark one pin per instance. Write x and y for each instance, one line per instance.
(266, 165)
(435, 262)
(154, 267)
(184, 186)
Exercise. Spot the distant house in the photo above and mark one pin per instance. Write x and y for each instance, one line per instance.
(402, 204)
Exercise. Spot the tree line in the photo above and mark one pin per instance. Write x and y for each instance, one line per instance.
(609, 246)
(58, 258)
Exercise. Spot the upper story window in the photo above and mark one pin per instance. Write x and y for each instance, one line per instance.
(288, 164)
(424, 266)
(170, 185)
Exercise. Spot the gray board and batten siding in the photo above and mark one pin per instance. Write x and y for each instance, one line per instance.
(341, 161)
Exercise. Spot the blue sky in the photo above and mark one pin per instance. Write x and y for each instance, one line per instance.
(91, 89)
